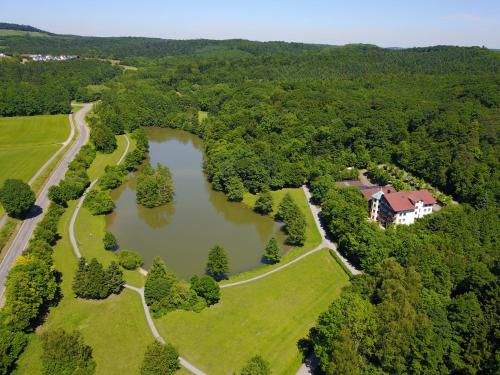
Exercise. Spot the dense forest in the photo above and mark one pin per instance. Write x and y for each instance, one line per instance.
(274, 122)
(428, 299)
(37, 88)
(282, 115)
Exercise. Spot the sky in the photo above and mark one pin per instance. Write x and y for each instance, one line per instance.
(386, 23)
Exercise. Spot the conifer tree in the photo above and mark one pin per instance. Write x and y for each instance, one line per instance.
(114, 278)
(272, 252)
(217, 265)
(264, 204)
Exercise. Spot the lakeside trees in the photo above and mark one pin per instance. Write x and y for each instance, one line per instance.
(16, 197)
(294, 220)
(217, 264)
(272, 251)
(264, 203)
(154, 186)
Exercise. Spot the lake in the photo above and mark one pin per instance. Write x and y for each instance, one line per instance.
(183, 231)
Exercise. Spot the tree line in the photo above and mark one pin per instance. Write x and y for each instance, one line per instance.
(36, 88)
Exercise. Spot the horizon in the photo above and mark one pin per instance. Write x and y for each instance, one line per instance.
(387, 24)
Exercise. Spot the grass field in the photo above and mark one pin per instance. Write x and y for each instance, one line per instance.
(26, 142)
(116, 327)
(22, 33)
(266, 317)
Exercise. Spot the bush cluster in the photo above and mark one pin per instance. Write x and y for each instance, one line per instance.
(92, 281)
(66, 353)
(99, 202)
(164, 292)
(129, 260)
(76, 179)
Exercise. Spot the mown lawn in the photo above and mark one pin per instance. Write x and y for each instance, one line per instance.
(116, 327)
(26, 142)
(265, 317)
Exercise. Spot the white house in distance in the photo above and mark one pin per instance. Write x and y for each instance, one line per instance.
(399, 207)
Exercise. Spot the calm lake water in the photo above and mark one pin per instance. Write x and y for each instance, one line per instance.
(183, 231)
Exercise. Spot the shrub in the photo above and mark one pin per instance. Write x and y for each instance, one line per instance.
(99, 202)
(109, 241)
(16, 197)
(256, 366)
(207, 288)
(133, 159)
(264, 203)
(66, 353)
(129, 260)
(113, 177)
(160, 359)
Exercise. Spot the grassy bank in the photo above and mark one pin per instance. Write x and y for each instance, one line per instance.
(265, 317)
(116, 327)
(313, 237)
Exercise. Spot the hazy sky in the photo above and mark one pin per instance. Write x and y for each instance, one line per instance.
(383, 22)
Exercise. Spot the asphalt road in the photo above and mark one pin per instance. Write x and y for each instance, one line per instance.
(25, 232)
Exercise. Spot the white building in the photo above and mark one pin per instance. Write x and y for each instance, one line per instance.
(403, 207)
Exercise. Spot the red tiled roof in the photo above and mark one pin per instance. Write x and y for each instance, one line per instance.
(399, 201)
(405, 200)
(422, 195)
(369, 192)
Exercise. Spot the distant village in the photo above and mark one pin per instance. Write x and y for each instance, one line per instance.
(41, 57)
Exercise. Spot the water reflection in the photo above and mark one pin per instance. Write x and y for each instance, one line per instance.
(183, 231)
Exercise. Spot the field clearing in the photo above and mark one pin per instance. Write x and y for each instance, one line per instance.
(27, 142)
(22, 33)
(265, 317)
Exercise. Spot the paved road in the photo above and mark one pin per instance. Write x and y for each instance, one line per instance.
(3, 218)
(23, 236)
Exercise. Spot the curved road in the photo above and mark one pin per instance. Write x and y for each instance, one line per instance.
(28, 226)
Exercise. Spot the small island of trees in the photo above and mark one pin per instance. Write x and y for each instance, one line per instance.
(154, 186)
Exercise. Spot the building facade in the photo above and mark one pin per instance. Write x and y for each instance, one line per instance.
(398, 207)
